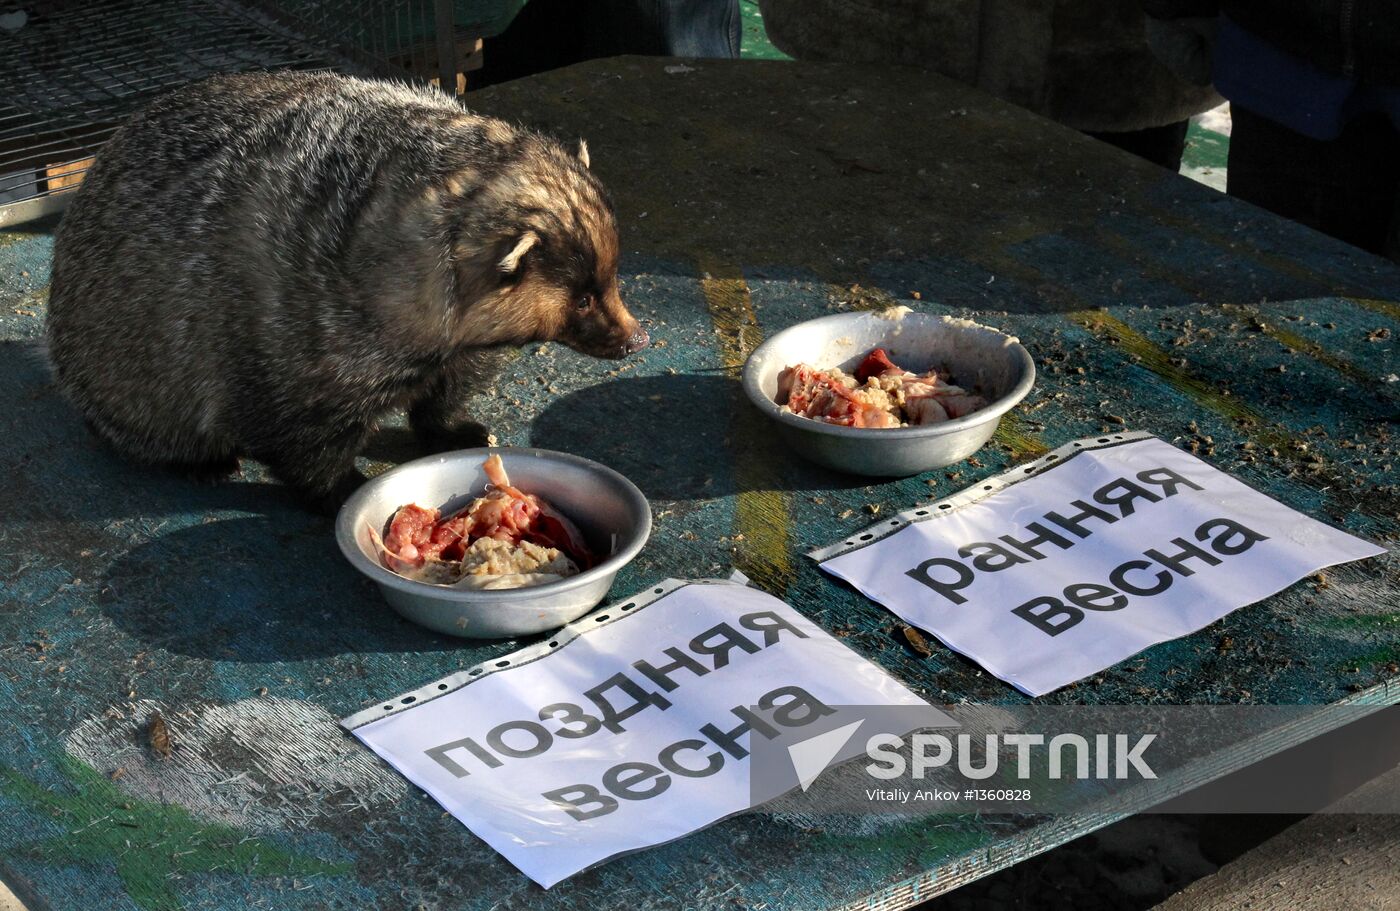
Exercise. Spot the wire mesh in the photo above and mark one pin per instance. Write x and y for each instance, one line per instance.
(71, 71)
(393, 37)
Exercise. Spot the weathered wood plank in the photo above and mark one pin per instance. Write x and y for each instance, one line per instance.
(229, 610)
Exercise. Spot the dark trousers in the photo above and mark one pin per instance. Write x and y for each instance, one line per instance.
(1347, 187)
(1160, 145)
(554, 33)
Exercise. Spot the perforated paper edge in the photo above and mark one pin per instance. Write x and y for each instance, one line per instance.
(871, 534)
(614, 612)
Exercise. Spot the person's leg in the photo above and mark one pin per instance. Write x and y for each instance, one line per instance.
(544, 35)
(697, 28)
(1367, 157)
(1160, 145)
(1346, 187)
(1392, 241)
(548, 34)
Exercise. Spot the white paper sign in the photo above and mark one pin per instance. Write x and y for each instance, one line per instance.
(568, 753)
(1057, 570)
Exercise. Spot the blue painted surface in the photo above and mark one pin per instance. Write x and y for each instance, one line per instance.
(119, 584)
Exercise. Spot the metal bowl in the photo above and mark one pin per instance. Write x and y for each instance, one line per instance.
(979, 358)
(611, 512)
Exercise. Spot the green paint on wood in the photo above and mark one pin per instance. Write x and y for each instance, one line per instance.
(1387, 622)
(950, 835)
(756, 45)
(150, 844)
(1388, 655)
(1205, 148)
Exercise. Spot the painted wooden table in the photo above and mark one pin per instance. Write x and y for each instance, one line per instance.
(752, 195)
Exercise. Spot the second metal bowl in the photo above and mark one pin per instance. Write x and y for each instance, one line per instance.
(612, 513)
(979, 358)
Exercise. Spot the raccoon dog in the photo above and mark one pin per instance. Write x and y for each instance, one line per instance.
(264, 264)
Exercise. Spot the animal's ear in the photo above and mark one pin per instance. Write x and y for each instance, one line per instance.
(510, 263)
(583, 152)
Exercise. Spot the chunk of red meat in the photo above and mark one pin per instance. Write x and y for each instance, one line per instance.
(410, 534)
(818, 395)
(417, 535)
(876, 363)
(451, 537)
(551, 529)
(796, 386)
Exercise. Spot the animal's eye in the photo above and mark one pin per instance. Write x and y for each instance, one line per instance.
(584, 303)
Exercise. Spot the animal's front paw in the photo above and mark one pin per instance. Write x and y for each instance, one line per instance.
(467, 435)
(214, 472)
(328, 502)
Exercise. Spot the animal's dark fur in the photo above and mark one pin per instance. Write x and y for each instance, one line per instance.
(264, 264)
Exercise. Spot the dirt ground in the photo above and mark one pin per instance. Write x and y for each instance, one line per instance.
(1346, 857)
(1132, 865)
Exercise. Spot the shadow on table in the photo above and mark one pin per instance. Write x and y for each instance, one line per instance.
(52, 465)
(253, 589)
(682, 437)
(239, 571)
(235, 570)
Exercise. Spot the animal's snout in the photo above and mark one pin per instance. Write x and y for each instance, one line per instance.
(637, 341)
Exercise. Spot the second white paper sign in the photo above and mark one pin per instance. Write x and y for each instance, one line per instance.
(1108, 550)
